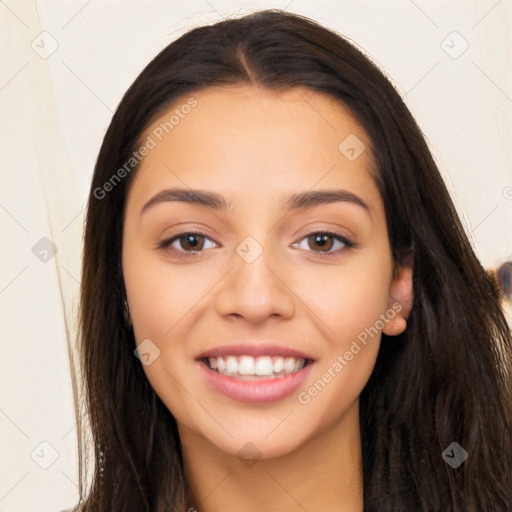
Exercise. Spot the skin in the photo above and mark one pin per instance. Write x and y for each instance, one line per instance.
(255, 147)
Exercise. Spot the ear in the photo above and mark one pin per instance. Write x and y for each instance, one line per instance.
(400, 297)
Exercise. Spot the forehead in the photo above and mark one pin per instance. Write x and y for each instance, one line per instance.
(247, 140)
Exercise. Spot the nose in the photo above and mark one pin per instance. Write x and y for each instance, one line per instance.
(255, 290)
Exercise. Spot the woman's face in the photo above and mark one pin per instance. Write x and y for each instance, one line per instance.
(229, 316)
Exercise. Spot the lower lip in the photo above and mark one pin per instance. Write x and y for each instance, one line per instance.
(254, 391)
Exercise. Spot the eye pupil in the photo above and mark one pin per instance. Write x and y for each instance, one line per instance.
(320, 240)
(191, 239)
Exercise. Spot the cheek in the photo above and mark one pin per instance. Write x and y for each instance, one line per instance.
(351, 305)
(162, 301)
(349, 298)
(161, 295)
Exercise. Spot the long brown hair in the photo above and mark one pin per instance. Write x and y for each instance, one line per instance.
(445, 379)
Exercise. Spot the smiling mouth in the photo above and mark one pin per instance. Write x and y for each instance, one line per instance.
(256, 368)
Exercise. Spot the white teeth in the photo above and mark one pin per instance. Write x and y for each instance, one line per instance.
(231, 365)
(278, 364)
(220, 364)
(248, 366)
(264, 366)
(289, 364)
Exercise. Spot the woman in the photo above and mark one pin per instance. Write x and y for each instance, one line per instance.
(280, 309)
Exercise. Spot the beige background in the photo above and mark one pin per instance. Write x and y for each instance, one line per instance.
(55, 110)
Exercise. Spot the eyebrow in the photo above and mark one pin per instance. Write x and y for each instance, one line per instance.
(215, 201)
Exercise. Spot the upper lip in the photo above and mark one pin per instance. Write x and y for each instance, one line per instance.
(254, 349)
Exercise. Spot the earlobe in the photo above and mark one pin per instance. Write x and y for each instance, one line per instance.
(400, 297)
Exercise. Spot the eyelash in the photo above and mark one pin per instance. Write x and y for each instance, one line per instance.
(165, 244)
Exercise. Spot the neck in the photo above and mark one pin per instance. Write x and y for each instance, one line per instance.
(324, 474)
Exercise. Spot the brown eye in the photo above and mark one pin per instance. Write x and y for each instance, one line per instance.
(192, 242)
(186, 244)
(320, 241)
(323, 242)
